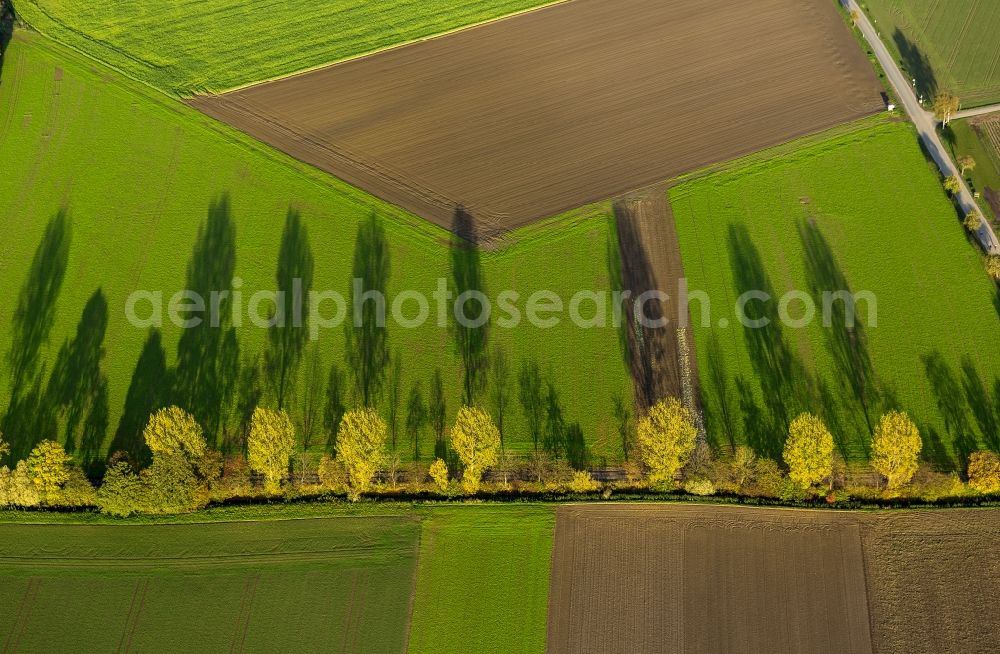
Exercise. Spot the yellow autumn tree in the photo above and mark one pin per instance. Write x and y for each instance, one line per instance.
(269, 445)
(666, 439)
(439, 474)
(984, 473)
(174, 431)
(896, 447)
(952, 185)
(48, 466)
(945, 106)
(808, 451)
(476, 441)
(973, 220)
(361, 448)
(993, 266)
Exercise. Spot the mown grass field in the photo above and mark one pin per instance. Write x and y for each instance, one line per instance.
(483, 580)
(385, 579)
(137, 174)
(859, 212)
(948, 46)
(340, 584)
(192, 46)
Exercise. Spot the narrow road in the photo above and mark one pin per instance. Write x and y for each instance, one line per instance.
(925, 123)
(978, 111)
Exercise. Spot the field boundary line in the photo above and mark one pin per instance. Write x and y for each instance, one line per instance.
(389, 48)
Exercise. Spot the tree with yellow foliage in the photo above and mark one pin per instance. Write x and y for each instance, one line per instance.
(808, 451)
(48, 466)
(953, 185)
(896, 448)
(972, 221)
(361, 448)
(666, 439)
(174, 431)
(439, 474)
(4, 447)
(966, 163)
(269, 445)
(476, 440)
(993, 266)
(945, 106)
(984, 473)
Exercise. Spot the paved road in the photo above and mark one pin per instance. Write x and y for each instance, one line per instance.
(925, 123)
(978, 111)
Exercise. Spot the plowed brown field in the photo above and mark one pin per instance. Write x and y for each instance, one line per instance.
(524, 118)
(728, 579)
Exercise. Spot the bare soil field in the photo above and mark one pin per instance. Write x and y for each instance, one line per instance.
(933, 580)
(547, 111)
(643, 578)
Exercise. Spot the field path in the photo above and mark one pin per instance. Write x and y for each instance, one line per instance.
(978, 111)
(925, 123)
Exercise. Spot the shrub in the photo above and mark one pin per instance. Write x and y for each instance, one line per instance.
(332, 475)
(700, 486)
(984, 473)
(583, 482)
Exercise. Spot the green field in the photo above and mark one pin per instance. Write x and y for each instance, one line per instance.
(193, 46)
(859, 212)
(340, 584)
(442, 579)
(483, 580)
(137, 174)
(962, 140)
(947, 46)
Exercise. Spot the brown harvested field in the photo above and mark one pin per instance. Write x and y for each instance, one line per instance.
(640, 578)
(543, 112)
(933, 581)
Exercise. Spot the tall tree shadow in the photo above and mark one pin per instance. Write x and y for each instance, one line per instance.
(288, 336)
(613, 261)
(78, 386)
(29, 416)
(36, 303)
(846, 335)
(916, 63)
(7, 19)
(721, 414)
(367, 336)
(980, 403)
(148, 392)
(785, 382)
(467, 278)
(951, 403)
(203, 378)
(652, 359)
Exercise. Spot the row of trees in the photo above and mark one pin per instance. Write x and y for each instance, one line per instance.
(186, 474)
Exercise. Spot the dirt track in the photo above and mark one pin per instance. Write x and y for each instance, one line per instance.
(547, 111)
(728, 579)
